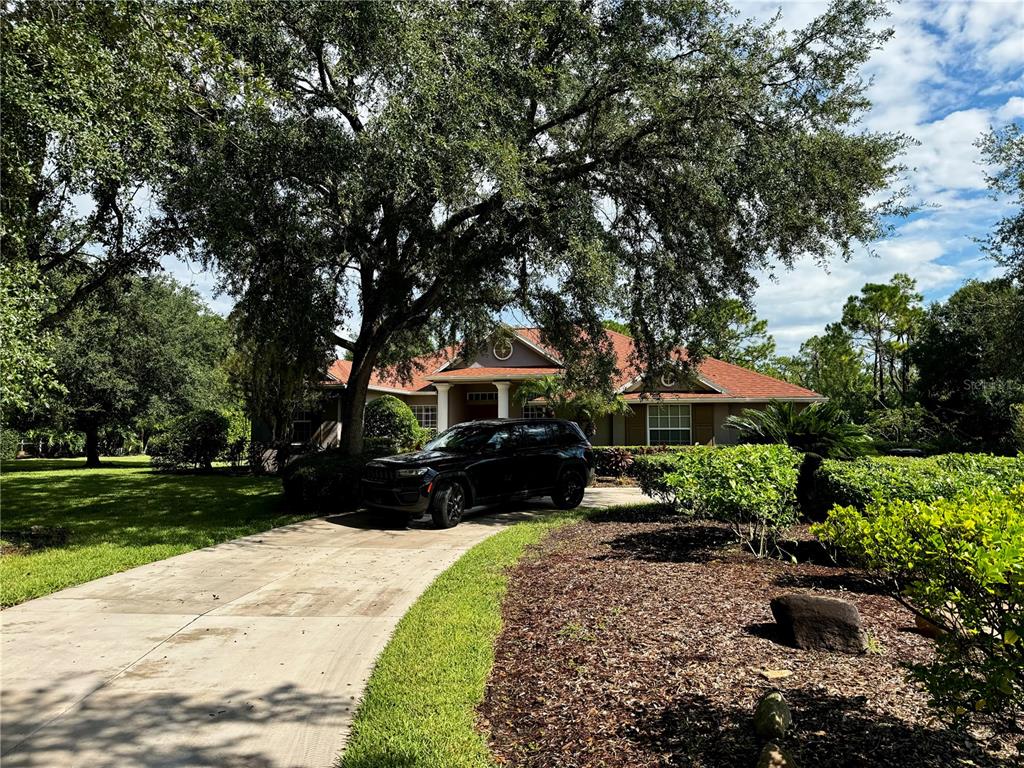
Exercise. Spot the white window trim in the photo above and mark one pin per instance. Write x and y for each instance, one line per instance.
(647, 418)
(424, 407)
(541, 408)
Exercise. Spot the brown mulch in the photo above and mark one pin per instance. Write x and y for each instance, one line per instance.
(643, 642)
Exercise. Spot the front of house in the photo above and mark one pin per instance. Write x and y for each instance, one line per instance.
(448, 389)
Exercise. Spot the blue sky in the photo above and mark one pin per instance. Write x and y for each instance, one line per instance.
(951, 70)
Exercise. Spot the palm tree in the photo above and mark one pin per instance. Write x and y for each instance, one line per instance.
(822, 428)
(585, 407)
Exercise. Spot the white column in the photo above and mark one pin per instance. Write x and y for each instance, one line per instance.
(503, 398)
(337, 427)
(442, 406)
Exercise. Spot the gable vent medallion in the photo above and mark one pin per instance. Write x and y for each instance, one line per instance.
(502, 349)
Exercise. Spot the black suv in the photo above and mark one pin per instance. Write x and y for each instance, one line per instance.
(482, 462)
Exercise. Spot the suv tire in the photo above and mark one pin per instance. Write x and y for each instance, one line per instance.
(448, 504)
(570, 489)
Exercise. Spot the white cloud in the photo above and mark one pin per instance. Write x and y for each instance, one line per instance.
(800, 302)
(935, 80)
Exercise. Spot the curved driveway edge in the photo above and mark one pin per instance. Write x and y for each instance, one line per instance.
(250, 653)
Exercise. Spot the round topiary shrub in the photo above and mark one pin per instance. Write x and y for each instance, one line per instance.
(389, 418)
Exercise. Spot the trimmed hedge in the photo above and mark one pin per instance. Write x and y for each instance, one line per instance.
(959, 562)
(388, 418)
(886, 478)
(750, 487)
(617, 460)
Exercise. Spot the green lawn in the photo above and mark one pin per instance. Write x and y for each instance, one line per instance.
(120, 516)
(419, 710)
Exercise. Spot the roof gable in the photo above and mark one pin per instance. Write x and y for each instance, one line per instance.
(719, 379)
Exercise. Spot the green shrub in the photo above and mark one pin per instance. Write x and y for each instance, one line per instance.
(389, 418)
(960, 564)
(617, 460)
(9, 442)
(51, 443)
(821, 428)
(885, 478)
(324, 481)
(750, 487)
(238, 436)
(190, 441)
(374, 447)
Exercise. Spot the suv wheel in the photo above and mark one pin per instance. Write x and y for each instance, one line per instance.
(448, 504)
(569, 490)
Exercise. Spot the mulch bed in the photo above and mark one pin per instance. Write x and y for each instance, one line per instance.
(644, 642)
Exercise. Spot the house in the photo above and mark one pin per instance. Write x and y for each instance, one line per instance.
(448, 389)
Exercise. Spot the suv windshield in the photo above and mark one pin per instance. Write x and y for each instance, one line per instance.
(464, 438)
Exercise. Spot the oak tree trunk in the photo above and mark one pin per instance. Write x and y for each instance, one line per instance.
(92, 445)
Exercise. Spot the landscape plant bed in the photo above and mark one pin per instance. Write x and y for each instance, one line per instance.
(638, 639)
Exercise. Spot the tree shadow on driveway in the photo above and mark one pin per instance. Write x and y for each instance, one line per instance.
(137, 729)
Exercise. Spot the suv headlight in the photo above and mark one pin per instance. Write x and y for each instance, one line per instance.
(413, 472)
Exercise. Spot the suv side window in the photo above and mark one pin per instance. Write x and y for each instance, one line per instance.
(566, 434)
(534, 435)
(501, 438)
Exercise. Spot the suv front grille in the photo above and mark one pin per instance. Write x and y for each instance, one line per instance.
(377, 474)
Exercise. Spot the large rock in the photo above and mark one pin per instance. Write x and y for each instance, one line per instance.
(772, 716)
(820, 623)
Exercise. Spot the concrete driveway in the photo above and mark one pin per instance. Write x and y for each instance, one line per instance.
(251, 653)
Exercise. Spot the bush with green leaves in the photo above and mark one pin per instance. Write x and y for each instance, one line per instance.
(9, 442)
(752, 488)
(191, 441)
(323, 481)
(617, 460)
(885, 478)
(959, 563)
(821, 428)
(389, 418)
(238, 437)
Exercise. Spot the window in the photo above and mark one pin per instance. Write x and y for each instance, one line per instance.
(426, 415)
(532, 411)
(302, 425)
(668, 425)
(482, 397)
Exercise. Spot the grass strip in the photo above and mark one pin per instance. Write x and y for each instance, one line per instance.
(419, 710)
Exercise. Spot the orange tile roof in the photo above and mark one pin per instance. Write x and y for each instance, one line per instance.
(495, 373)
(733, 381)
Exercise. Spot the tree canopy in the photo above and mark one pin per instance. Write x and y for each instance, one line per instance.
(884, 318)
(970, 361)
(736, 335)
(1003, 151)
(410, 170)
(90, 93)
(137, 356)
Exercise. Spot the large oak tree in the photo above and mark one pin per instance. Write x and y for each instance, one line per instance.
(410, 171)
